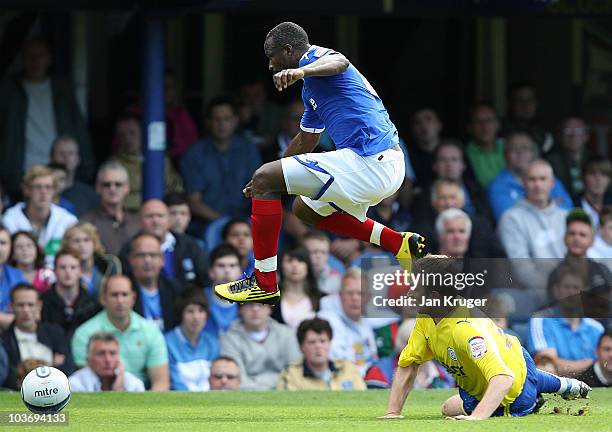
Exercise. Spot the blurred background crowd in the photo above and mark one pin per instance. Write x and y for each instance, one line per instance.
(116, 291)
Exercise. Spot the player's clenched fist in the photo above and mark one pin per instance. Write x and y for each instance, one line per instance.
(286, 77)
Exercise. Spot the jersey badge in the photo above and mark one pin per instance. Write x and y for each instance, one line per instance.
(478, 346)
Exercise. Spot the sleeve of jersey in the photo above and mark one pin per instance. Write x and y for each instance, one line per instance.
(482, 350)
(311, 122)
(417, 350)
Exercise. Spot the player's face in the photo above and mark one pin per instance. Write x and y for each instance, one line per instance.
(315, 348)
(146, 259)
(350, 297)
(278, 60)
(604, 354)
(155, 218)
(180, 216)
(5, 246)
(225, 269)
(596, 182)
(27, 308)
(319, 253)
(224, 375)
(520, 152)
(194, 318)
(578, 238)
(103, 358)
(240, 236)
(67, 271)
(449, 163)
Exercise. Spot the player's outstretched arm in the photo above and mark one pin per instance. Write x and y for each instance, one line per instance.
(331, 64)
(498, 388)
(402, 384)
(303, 142)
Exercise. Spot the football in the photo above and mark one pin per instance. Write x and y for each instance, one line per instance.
(45, 390)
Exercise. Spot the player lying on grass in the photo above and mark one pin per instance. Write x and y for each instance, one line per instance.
(336, 188)
(495, 375)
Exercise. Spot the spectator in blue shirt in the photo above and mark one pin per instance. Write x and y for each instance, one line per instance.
(217, 168)
(560, 332)
(224, 267)
(9, 277)
(507, 187)
(190, 349)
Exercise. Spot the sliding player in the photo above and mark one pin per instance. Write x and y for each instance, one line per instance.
(494, 373)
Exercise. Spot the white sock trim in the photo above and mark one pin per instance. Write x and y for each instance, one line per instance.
(266, 265)
(376, 232)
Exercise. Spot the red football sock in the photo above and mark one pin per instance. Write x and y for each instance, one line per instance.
(266, 220)
(369, 231)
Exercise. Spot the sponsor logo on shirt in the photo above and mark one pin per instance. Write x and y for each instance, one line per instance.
(478, 346)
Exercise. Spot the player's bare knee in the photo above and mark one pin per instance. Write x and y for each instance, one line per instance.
(305, 213)
(261, 180)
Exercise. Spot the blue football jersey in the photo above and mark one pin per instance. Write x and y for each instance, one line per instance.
(348, 107)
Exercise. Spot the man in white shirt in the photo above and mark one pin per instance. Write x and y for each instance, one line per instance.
(104, 370)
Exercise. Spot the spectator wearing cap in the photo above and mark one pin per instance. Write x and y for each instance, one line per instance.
(317, 371)
(190, 349)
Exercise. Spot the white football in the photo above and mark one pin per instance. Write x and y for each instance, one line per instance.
(45, 390)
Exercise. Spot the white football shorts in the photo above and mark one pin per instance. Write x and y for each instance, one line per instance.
(341, 180)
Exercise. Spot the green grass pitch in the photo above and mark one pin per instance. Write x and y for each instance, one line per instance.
(298, 411)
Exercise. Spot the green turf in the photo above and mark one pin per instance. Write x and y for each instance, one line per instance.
(287, 411)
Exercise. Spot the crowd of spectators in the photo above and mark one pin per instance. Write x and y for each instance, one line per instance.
(117, 292)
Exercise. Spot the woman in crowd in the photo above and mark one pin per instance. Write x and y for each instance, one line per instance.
(300, 298)
(28, 257)
(96, 265)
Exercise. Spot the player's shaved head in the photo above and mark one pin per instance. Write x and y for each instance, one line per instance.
(286, 33)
